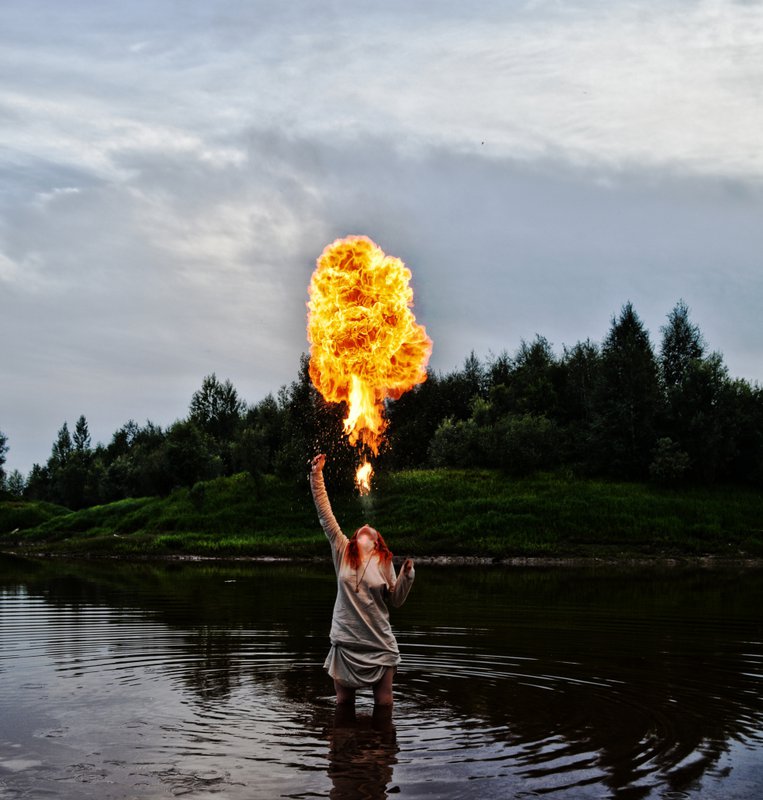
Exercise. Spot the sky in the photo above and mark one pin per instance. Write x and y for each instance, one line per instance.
(171, 170)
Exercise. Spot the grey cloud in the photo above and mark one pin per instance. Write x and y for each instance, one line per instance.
(215, 153)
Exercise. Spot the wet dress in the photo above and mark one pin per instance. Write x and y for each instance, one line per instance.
(362, 643)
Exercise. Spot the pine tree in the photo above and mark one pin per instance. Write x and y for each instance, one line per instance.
(628, 399)
(3, 451)
(81, 437)
(62, 448)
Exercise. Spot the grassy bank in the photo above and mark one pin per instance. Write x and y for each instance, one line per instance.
(420, 513)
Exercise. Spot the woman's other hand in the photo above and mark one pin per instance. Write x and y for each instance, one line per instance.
(316, 465)
(407, 566)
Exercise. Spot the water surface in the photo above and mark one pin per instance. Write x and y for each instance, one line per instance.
(122, 680)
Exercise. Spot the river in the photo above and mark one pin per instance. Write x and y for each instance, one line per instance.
(132, 680)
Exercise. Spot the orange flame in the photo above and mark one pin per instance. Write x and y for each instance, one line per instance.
(363, 477)
(365, 342)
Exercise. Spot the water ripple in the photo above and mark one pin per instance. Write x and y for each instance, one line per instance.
(581, 705)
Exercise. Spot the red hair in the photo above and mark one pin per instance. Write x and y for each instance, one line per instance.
(352, 554)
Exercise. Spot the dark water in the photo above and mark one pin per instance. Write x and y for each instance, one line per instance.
(136, 680)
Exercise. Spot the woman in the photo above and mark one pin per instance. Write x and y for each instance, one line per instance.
(363, 648)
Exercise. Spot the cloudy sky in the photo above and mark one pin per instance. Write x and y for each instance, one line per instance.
(170, 171)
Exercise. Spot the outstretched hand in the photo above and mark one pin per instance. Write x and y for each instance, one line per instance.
(316, 465)
(407, 566)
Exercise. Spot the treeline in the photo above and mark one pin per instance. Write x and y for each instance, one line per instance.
(619, 409)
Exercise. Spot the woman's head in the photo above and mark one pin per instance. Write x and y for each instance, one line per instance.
(367, 537)
(364, 542)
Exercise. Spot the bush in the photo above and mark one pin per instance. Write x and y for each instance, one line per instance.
(670, 464)
(457, 444)
(524, 444)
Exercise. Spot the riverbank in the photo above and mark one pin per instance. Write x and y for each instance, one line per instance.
(474, 516)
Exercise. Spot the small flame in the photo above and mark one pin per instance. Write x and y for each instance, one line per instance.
(363, 477)
(365, 344)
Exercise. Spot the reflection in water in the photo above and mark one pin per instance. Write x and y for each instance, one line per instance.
(144, 680)
(363, 749)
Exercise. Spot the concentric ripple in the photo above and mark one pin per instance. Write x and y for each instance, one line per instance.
(201, 682)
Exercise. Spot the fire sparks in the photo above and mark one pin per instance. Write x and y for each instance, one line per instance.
(365, 342)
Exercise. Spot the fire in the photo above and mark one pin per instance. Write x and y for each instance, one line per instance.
(363, 477)
(365, 343)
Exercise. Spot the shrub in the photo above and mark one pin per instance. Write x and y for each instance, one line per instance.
(670, 463)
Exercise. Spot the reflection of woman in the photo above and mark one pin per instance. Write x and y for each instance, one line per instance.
(362, 755)
(363, 648)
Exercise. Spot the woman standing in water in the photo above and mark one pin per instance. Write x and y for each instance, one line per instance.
(363, 648)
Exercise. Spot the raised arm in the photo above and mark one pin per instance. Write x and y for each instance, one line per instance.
(321, 499)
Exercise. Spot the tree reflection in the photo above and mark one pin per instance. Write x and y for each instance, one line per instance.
(632, 679)
(627, 679)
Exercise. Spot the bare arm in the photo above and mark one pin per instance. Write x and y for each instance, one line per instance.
(323, 506)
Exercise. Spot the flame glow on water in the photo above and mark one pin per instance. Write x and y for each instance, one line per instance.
(365, 343)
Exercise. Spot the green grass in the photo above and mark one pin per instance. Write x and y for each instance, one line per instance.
(21, 515)
(420, 513)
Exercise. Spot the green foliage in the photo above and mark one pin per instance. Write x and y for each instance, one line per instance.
(525, 443)
(627, 399)
(519, 444)
(15, 484)
(310, 426)
(456, 444)
(670, 463)
(612, 411)
(3, 451)
(216, 408)
(682, 345)
(81, 438)
(420, 512)
(190, 454)
(19, 515)
(62, 448)
(532, 386)
(413, 419)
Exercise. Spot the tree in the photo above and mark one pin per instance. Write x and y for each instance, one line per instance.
(15, 484)
(3, 451)
(670, 463)
(189, 456)
(579, 378)
(38, 484)
(461, 387)
(456, 443)
(216, 408)
(682, 343)
(310, 426)
(69, 468)
(704, 418)
(524, 443)
(81, 438)
(627, 399)
(413, 419)
(266, 418)
(743, 406)
(146, 467)
(580, 375)
(534, 378)
(62, 448)
(499, 370)
(250, 452)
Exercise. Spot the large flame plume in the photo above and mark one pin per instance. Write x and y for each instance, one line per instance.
(365, 343)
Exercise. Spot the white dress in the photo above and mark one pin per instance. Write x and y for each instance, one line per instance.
(362, 642)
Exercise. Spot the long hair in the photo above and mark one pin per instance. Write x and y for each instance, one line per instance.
(352, 554)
